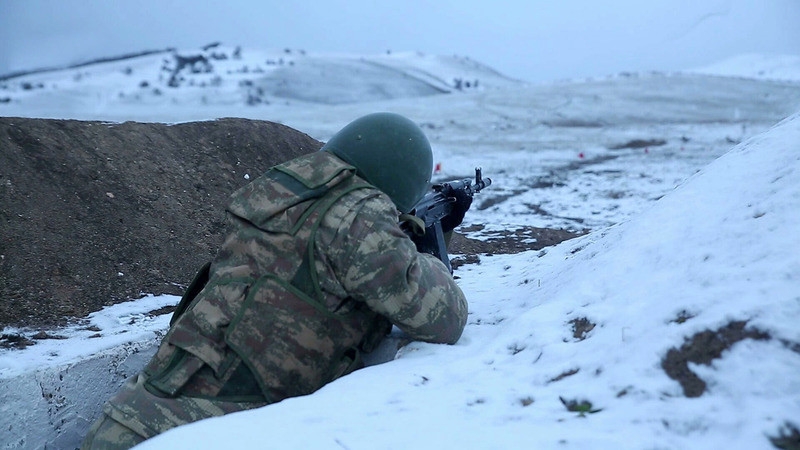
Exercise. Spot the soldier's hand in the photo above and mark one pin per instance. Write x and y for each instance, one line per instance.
(460, 207)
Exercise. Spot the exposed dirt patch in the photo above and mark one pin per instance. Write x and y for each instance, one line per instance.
(703, 348)
(15, 340)
(563, 375)
(573, 123)
(161, 311)
(788, 437)
(93, 213)
(507, 241)
(581, 327)
(682, 317)
(639, 143)
(486, 203)
(45, 335)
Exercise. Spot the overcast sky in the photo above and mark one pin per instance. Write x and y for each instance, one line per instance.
(534, 40)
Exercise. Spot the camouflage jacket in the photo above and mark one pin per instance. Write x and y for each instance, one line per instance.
(314, 271)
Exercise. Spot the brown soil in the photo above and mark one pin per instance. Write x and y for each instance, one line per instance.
(93, 213)
(703, 348)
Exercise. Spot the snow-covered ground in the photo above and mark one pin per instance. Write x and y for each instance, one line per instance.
(691, 193)
(762, 67)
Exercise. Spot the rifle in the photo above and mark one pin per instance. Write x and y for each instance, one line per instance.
(424, 223)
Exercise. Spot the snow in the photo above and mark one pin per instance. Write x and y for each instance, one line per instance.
(765, 67)
(686, 236)
(119, 324)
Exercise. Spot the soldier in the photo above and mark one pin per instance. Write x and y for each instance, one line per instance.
(314, 272)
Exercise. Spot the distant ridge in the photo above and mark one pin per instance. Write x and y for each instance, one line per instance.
(755, 66)
(22, 73)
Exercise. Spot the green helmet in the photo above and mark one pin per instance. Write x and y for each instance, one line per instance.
(389, 151)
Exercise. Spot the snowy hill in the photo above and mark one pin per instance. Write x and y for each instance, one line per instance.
(670, 325)
(217, 75)
(762, 67)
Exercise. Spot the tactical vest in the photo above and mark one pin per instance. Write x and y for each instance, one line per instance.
(262, 328)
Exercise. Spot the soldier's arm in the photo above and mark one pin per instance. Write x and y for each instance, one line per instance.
(380, 266)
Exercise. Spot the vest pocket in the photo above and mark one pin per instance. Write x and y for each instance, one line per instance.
(168, 382)
(291, 342)
(200, 330)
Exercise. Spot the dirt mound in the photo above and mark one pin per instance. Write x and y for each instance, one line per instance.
(96, 213)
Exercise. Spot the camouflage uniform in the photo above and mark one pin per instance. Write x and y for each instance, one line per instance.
(314, 272)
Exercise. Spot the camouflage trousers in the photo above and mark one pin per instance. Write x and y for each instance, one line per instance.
(108, 434)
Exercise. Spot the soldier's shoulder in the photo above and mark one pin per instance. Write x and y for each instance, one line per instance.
(361, 210)
(368, 201)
